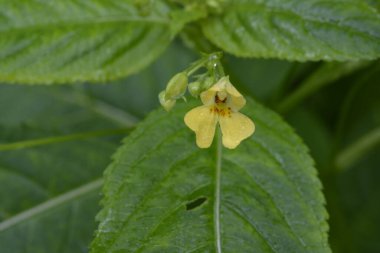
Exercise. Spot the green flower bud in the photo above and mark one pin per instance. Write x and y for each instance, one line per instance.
(166, 103)
(194, 88)
(176, 87)
(207, 83)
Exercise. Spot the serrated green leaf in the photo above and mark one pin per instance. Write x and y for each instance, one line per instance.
(67, 218)
(315, 134)
(193, 38)
(159, 191)
(65, 41)
(297, 30)
(324, 75)
(255, 76)
(45, 205)
(54, 145)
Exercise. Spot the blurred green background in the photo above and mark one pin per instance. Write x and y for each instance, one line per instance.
(55, 142)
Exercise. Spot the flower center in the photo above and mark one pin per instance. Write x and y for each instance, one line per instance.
(220, 97)
(220, 107)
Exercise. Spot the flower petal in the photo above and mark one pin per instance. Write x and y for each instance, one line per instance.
(203, 122)
(208, 96)
(235, 129)
(237, 101)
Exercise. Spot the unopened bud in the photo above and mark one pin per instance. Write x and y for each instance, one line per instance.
(207, 83)
(166, 103)
(194, 88)
(176, 87)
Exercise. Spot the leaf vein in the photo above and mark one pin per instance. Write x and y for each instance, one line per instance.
(233, 209)
(152, 190)
(271, 199)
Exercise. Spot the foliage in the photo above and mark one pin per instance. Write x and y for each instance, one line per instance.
(161, 174)
(159, 189)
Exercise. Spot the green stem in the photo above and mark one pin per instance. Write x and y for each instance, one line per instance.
(196, 65)
(327, 74)
(219, 70)
(207, 59)
(51, 204)
(218, 172)
(57, 139)
(100, 107)
(353, 153)
(348, 103)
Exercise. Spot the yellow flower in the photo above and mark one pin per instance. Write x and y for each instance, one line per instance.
(221, 103)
